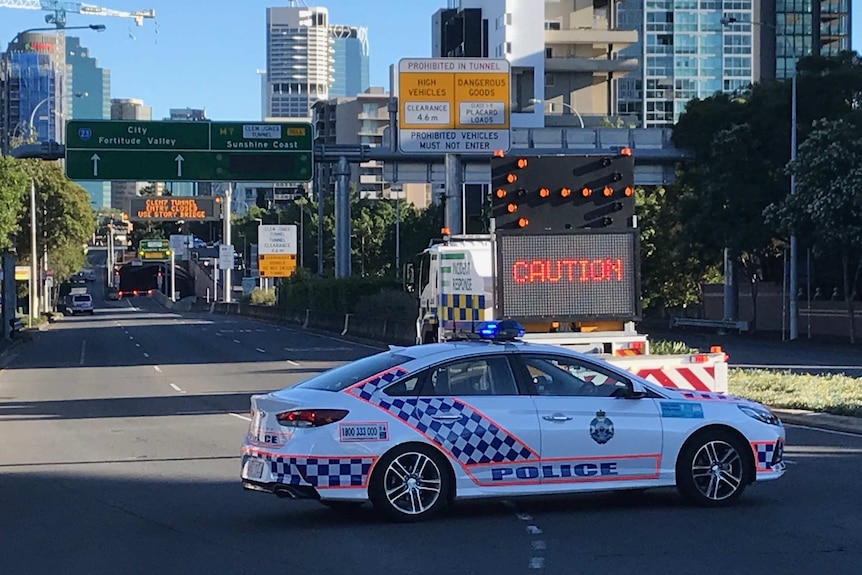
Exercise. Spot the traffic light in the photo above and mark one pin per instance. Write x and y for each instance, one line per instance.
(556, 193)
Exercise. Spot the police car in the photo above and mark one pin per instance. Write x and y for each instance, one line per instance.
(412, 429)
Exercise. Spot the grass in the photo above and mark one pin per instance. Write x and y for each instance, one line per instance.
(837, 394)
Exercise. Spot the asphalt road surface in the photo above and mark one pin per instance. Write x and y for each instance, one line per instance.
(119, 444)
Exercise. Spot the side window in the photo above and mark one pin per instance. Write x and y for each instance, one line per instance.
(567, 376)
(475, 376)
(405, 388)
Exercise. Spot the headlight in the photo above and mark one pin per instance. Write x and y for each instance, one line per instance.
(760, 413)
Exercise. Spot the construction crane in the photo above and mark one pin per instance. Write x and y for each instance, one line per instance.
(60, 9)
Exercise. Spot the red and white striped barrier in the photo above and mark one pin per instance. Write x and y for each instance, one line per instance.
(699, 372)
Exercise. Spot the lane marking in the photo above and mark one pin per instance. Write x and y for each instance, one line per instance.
(260, 350)
(238, 416)
(177, 388)
(137, 345)
(291, 362)
(820, 429)
(131, 337)
(236, 341)
(157, 368)
(83, 351)
(146, 354)
(538, 545)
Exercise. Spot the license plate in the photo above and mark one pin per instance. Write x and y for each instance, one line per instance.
(253, 469)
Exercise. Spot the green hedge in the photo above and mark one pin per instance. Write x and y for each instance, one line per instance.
(330, 294)
(830, 393)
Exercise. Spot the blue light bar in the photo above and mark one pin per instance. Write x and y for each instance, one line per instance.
(506, 330)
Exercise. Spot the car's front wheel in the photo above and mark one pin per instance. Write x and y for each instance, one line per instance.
(712, 469)
(410, 483)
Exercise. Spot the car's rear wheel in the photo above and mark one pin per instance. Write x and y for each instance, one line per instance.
(712, 469)
(410, 483)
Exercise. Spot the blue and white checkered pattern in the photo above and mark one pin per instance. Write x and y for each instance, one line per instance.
(366, 389)
(764, 455)
(321, 471)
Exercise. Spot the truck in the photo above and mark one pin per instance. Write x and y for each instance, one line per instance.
(563, 259)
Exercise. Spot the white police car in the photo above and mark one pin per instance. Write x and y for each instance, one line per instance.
(412, 429)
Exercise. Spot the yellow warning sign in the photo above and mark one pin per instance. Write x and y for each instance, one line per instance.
(276, 265)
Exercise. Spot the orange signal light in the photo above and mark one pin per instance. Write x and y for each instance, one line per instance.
(523, 222)
(511, 178)
(629, 191)
(444, 231)
(512, 208)
(626, 152)
(544, 193)
(608, 191)
(500, 193)
(522, 163)
(586, 192)
(565, 192)
(218, 199)
(499, 153)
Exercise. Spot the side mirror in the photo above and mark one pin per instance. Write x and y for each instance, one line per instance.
(638, 391)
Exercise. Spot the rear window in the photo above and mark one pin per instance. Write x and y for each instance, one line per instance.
(344, 376)
(81, 298)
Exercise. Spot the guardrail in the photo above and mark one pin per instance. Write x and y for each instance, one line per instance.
(740, 325)
(397, 332)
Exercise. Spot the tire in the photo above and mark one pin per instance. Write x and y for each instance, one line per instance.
(411, 483)
(713, 469)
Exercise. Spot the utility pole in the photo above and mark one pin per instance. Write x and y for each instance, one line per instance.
(34, 259)
(342, 219)
(794, 241)
(454, 195)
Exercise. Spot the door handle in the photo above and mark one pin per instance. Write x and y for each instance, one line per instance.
(446, 416)
(557, 417)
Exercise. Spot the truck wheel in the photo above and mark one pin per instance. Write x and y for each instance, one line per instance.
(712, 470)
(410, 483)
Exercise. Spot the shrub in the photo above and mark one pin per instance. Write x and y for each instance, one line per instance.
(389, 304)
(262, 297)
(665, 347)
(330, 294)
(831, 393)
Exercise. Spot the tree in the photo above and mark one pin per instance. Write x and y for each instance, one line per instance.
(827, 205)
(13, 190)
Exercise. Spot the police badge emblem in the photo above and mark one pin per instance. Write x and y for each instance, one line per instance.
(601, 428)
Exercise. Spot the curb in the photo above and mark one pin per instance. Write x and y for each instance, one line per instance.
(827, 421)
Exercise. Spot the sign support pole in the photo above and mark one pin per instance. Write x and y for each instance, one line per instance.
(109, 262)
(318, 186)
(454, 199)
(342, 219)
(173, 276)
(226, 239)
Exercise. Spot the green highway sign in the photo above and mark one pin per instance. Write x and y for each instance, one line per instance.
(154, 250)
(120, 150)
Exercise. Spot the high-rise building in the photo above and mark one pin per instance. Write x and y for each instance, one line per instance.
(93, 83)
(350, 74)
(564, 55)
(685, 52)
(187, 188)
(361, 119)
(34, 102)
(127, 109)
(299, 58)
(795, 29)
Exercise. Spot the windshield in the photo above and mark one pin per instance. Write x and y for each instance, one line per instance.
(342, 377)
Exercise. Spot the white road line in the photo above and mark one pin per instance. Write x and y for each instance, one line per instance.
(157, 368)
(236, 341)
(131, 337)
(260, 350)
(538, 545)
(833, 432)
(137, 345)
(291, 362)
(146, 354)
(238, 416)
(176, 388)
(83, 351)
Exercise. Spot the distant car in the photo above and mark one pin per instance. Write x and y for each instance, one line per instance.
(89, 275)
(82, 303)
(113, 294)
(412, 429)
(77, 280)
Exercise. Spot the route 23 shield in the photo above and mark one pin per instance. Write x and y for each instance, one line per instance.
(85, 134)
(601, 428)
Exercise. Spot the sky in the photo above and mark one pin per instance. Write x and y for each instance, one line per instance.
(205, 53)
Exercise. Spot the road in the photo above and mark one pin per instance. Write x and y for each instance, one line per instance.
(119, 454)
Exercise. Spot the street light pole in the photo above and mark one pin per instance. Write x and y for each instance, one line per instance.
(794, 242)
(34, 261)
(569, 106)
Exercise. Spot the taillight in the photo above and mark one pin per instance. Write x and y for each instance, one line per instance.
(310, 417)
